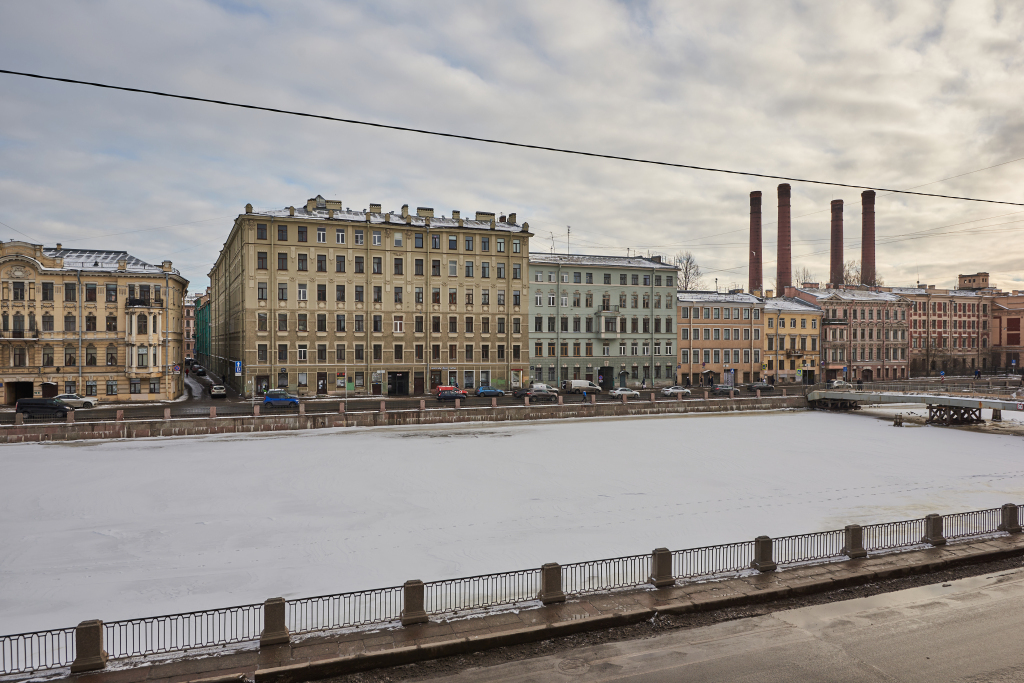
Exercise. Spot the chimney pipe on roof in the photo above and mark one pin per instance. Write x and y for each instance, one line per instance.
(784, 263)
(754, 269)
(836, 251)
(867, 238)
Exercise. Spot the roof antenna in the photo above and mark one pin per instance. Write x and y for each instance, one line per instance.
(552, 241)
(568, 230)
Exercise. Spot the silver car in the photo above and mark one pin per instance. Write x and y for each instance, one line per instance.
(77, 401)
(618, 392)
(675, 391)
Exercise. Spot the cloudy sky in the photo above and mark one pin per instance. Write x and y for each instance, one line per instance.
(887, 94)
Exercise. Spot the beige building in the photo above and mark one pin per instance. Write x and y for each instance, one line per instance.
(330, 301)
(98, 323)
(791, 338)
(720, 338)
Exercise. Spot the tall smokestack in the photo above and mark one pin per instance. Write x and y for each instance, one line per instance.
(867, 237)
(784, 262)
(754, 270)
(836, 269)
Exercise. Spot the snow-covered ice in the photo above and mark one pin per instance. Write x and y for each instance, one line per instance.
(123, 529)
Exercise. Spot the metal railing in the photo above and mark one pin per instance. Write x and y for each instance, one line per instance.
(711, 560)
(976, 523)
(37, 651)
(823, 545)
(185, 631)
(478, 592)
(888, 535)
(597, 576)
(344, 610)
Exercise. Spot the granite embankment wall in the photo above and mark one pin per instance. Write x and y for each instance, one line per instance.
(129, 429)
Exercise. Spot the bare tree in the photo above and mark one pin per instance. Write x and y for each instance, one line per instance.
(803, 274)
(690, 275)
(851, 275)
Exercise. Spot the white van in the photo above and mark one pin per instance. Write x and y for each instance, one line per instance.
(578, 386)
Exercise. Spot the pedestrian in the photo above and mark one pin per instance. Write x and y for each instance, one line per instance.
(584, 395)
(687, 381)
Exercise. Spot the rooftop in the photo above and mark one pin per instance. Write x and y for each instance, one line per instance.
(788, 303)
(718, 297)
(851, 294)
(100, 260)
(584, 260)
(917, 291)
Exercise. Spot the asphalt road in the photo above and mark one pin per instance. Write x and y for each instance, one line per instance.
(966, 630)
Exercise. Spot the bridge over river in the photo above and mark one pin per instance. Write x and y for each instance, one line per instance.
(947, 408)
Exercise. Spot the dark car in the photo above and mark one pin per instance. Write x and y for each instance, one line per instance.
(519, 392)
(450, 394)
(43, 407)
(761, 386)
(198, 371)
(721, 390)
(540, 395)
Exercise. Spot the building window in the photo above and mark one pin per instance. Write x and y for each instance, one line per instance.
(111, 387)
(261, 260)
(261, 231)
(261, 291)
(282, 261)
(301, 293)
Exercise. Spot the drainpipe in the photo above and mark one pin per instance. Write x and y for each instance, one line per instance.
(81, 322)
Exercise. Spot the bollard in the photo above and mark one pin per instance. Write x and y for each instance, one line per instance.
(89, 652)
(274, 630)
(384, 406)
(70, 417)
(652, 397)
(853, 545)
(412, 598)
(458, 403)
(526, 401)
(19, 418)
(213, 411)
(560, 400)
(732, 393)
(763, 561)
(341, 407)
(933, 530)
(551, 584)
(705, 394)
(494, 401)
(1011, 519)
(759, 393)
(625, 399)
(661, 568)
(256, 409)
(302, 408)
(783, 393)
(423, 404)
(167, 413)
(593, 399)
(120, 416)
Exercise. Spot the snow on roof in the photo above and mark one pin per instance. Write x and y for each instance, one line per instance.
(918, 291)
(851, 294)
(391, 218)
(718, 297)
(598, 261)
(788, 303)
(101, 260)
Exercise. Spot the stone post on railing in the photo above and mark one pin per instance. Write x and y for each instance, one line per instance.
(302, 408)
(458, 403)
(19, 418)
(759, 393)
(933, 530)
(89, 652)
(256, 409)
(341, 407)
(213, 411)
(423, 404)
(551, 584)
(763, 561)
(705, 395)
(70, 417)
(853, 546)
(593, 399)
(560, 401)
(1011, 519)
(494, 401)
(783, 393)
(384, 406)
(274, 631)
(625, 399)
(119, 416)
(412, 599)
(526, 401)
(661, 568)
(167, 413)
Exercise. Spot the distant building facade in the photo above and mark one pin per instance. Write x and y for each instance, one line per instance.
(720, 338)
(202, 328)
(792, 336)
(949, 329)
(188, 318)
(331, 301)
(605, 319)
(98, 323)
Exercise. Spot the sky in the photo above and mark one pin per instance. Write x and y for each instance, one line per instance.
(888, 94)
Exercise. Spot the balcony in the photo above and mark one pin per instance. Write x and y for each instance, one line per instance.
(154, 303)
(835, 321)
(795, 353)
(607, 310)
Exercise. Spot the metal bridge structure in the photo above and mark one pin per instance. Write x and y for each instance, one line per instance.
(946, 409)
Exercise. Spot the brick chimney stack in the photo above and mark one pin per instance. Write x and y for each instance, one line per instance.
(867, 238)
(754, 269)
(836, 261)
(784, 262)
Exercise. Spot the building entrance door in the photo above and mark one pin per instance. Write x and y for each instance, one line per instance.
(321, 382)
(435, 379)
(16, 390)
(398, 384)
(49, 389)
(418, 384)
(262, 384)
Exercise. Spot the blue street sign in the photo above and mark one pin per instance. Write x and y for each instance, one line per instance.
(238, 367)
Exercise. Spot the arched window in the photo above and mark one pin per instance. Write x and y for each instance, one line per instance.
(69, 356)
(143, 321)
(111, 354)
(47, 356)
(90, 355)
(282, 379)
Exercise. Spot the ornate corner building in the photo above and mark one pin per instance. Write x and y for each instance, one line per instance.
(97, 323)
(332, 301)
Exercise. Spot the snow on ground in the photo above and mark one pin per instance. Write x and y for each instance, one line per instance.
(136, 528)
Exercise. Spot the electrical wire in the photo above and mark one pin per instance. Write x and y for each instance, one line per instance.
(491, 141)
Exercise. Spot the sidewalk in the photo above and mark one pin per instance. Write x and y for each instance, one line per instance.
(337, 653)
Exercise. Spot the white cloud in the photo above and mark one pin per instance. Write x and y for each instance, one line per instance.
(885, 94)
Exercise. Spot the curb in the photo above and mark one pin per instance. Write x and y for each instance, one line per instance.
(310, 671)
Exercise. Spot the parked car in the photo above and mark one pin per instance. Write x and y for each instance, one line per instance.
(520, 392)
(462, 392)
(761, 386)
(198, 371)
(675, 391)
(841, 384)
(722, 390)
(451, 394)
(536, 394)
(489, 391)
(279, 397)
(545, 387)
(619, 392)
(218, 391)
(43, 407)
(77, 401)
(578, 386)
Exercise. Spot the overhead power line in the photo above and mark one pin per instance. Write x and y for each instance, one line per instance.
(506, 143)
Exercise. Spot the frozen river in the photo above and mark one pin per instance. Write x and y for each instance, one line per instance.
(138, 528)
